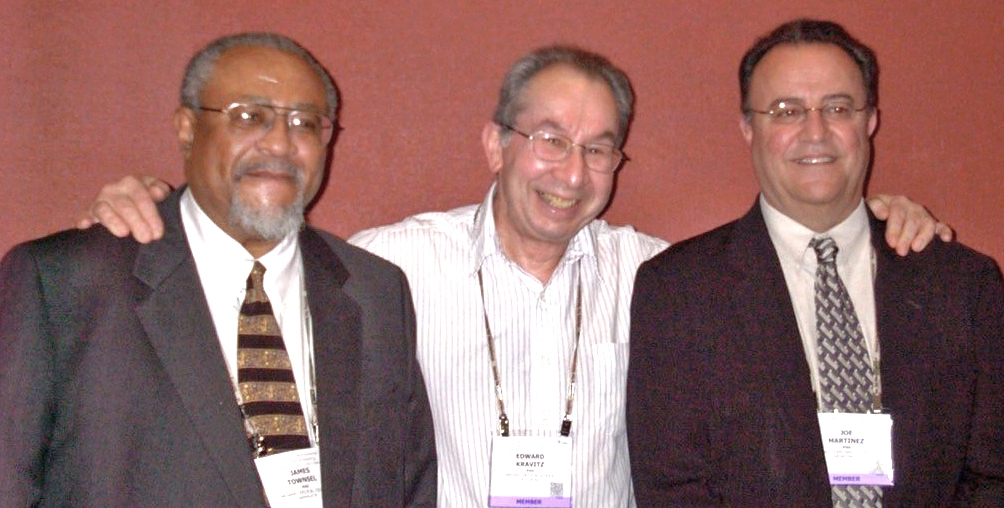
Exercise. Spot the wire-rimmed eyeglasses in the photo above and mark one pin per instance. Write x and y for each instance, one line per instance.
(793, 112)
(257, 119)
(555, 148)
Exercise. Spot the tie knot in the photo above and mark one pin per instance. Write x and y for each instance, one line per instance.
(826, 249)
(256, 275)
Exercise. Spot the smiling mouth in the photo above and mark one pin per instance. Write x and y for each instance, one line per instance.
(268, 174)
(556, 202)
(272, 170)
(821, 159)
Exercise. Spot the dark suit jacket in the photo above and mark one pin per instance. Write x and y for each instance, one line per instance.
(720, 404)
(114, 392)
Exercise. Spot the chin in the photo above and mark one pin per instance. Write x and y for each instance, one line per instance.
(267, 222)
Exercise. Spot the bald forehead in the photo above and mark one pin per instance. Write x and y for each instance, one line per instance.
(265, 72)
(817, 57)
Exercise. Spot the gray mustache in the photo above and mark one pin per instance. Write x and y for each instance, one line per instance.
(284, 168)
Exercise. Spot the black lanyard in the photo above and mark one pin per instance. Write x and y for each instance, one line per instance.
(566, 423)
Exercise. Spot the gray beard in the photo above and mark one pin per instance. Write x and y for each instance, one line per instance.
(263, 223)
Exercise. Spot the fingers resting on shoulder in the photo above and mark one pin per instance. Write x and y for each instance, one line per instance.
(909, 226)
(129, 207)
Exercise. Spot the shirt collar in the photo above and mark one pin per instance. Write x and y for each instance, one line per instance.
(218, 253)
(791, 239)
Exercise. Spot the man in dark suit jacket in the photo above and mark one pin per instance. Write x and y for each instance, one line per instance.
(114, 388)
(721, 402)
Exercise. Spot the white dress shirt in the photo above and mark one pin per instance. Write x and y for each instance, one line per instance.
(855, 265)
(533, 325)
(224, 265)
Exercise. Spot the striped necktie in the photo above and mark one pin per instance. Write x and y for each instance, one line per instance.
(273, 417)
(845, 372)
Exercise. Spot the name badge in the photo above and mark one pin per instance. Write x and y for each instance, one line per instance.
(531, 471)
(858, 448)
(292, 479)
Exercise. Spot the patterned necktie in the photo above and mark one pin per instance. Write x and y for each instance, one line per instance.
(273, 417)
(845, 372)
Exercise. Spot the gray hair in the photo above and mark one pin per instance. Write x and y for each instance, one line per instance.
(200, 68)
(591, 64)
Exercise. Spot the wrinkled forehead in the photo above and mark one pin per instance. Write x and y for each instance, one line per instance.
(566, 97)
(265, 74)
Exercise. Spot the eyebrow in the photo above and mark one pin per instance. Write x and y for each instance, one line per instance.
(552, 126)
(266, 101)
(826, 98)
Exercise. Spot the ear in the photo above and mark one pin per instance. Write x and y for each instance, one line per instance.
(184, 124)
(746, 128)
(873, 122)
(491, 140)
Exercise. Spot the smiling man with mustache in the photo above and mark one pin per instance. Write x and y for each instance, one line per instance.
(244, 360)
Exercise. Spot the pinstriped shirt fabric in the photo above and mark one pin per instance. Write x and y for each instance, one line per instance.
(533, 325)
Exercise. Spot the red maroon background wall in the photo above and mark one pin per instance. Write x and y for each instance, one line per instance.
(87, 90)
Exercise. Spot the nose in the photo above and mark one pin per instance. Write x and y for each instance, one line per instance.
(573, 170)
(276, 138)
(814, 126)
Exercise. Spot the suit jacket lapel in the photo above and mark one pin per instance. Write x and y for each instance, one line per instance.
(760, 285)
(773, 342)
(180, 329)
(336, 322)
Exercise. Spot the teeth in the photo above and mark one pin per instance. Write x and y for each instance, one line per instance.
(557, 202)
(816, 160)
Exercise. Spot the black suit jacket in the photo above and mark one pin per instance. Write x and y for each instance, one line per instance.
(114, 392)
(720, 404)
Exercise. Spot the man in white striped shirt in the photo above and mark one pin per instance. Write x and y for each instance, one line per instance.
(535, 243)
(532, 266)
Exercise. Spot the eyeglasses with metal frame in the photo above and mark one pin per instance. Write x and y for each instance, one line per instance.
(258, 119)
(552, 147)
(794, 112)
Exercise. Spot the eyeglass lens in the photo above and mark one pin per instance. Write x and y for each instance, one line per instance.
(258, 119)
(552, 147)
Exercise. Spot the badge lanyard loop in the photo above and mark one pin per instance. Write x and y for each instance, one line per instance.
(566, 423)
(876, 354)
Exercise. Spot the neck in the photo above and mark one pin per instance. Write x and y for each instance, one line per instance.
(821, 223)
(539, 259)
(819, 219)
(258, 248)
(539, 256)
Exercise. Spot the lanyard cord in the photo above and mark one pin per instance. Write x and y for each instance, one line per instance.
(566, 422)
